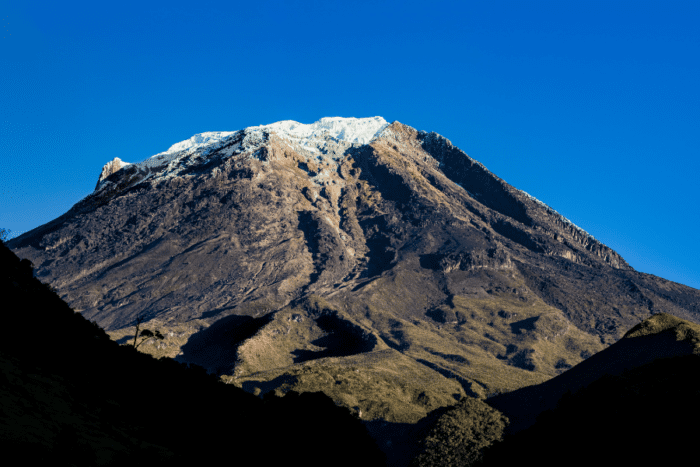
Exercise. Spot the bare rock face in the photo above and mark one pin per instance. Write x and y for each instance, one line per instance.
(110, 167)
(286, 242)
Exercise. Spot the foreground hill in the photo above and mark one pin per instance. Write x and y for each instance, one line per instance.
(643, 416)
(631, 404)
(71, 396)
(661, 336)
(368, 260)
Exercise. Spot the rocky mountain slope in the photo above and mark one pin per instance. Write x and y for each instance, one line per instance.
(371, 261)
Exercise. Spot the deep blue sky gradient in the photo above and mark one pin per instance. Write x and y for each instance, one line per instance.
(593, 107)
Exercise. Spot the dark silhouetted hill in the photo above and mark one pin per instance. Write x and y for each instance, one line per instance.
(661, 336)
(642, 417)
(71, 396)
(633, 403)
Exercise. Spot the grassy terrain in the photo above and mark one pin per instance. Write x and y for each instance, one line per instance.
(496, 340)
(176, 336)
(375, 362)
(382, 384)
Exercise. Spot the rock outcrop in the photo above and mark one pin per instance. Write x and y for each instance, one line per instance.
(109, 168)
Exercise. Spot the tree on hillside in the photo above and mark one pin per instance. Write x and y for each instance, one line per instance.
(145, 333)
(4, 234)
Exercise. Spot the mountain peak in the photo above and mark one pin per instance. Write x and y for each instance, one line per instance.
(320, 149)
(308, 136)
(351, 130)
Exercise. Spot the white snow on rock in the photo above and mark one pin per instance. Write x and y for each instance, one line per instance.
(310, 137)
(352, 130)
(111, 167)
(558, 215)
(162, 165)
(199, 140)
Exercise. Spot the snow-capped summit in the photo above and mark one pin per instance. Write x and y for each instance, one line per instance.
(308, 136)
(352, 130)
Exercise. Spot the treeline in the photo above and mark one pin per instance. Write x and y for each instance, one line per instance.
(71, 396)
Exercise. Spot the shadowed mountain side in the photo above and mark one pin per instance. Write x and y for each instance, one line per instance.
(72, 396)
(642, 416)
(215, 347)
(661, 336)
(628, 404)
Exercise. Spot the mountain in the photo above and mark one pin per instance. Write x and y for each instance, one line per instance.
(368, 260)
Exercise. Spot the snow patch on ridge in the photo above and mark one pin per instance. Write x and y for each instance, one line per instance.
(555, 213)
(199, 140)
(352, 130)
(205, 142)
(324, 141)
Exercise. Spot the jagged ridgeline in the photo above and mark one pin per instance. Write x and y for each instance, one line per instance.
(368, 260)
(72, 396)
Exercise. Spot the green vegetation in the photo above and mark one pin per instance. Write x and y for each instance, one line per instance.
(494, 341)
(682, 330)
(381, 384)
(314, 346)
(175, 336)
(461, 434)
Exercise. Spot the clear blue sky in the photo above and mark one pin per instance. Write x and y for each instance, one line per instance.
(593, 107)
